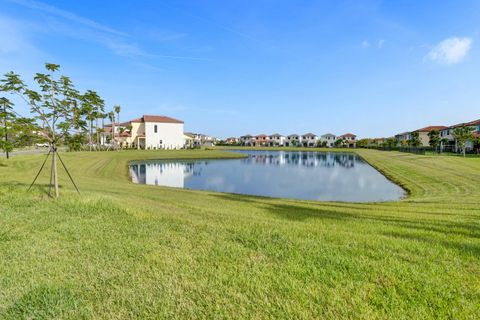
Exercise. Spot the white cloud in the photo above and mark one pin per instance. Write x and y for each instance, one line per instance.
(365, 44)
(380, 43)
(450, 51)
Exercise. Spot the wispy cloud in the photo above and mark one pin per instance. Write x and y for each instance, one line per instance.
(450, 51)
(67, 15)
(14, 40)
(380, 43)
(119, 42)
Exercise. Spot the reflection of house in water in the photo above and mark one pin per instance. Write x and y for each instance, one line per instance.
(170, 174)
(306, 159)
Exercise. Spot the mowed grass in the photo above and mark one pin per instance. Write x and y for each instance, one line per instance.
(121, 251)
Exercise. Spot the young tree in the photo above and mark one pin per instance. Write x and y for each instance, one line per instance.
(52, 106)
(414, 139)
(434, 137)
(6, 115)
(462, 135)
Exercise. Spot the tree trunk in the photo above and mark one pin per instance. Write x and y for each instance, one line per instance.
(118, 119)
(96, 131)
(90, 136)
(6, 132)
(55, 172)
(103, 131)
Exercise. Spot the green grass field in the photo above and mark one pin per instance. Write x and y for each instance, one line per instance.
(122, 251)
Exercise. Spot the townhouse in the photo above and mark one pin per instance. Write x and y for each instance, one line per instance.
(328, 140)
(292, 140)
(448, 143)
(349, 140)
(309, 140)
(276, 140)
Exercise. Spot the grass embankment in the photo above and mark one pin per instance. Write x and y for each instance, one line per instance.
(133, 251)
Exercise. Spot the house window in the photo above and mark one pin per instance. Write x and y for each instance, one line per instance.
(161, 141)
(155, 128)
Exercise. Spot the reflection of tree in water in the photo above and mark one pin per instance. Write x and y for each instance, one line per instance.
(306, 159)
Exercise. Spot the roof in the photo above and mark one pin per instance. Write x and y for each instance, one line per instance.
(294, 135)
(402, 134)
(150, 118)
(430, 128)
(261, 136)
(309, 134)
(276, 135)
(328, 135)
(188, 134)
(348, 135)
(471, 123)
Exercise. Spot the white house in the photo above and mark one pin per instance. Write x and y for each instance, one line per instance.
(309, 140)
(276, 140)
(152, 132)
(328, 140)
(292, 140)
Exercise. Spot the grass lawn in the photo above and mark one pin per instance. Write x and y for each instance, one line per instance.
(121, 250)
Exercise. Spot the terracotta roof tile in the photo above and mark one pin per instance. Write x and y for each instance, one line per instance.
(430, 128)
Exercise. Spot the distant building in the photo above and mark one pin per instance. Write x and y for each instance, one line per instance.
(328, 140)
(293, 140)
(276, 140)
(148, 132)
(309, 140)
(350, 140)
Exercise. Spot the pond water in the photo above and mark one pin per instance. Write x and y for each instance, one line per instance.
(320, 176)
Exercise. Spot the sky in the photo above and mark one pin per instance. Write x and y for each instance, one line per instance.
(228, 68)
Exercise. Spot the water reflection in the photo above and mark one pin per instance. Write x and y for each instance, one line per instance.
(301, 175)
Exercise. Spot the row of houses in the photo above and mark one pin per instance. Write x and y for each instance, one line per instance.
(448, 141)
(294, 140)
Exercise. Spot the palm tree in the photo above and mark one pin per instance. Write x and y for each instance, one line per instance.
(117, 109)
(111, 115)
(103, 116)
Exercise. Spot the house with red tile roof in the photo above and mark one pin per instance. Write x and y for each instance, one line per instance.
(350, 140)
(150, 132)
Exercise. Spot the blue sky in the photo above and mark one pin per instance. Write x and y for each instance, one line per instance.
(233, 67)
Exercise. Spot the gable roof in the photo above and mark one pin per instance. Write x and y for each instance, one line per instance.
(328, 135)
(162, 119)
(430, 128)
(309, 134)
(347, 135)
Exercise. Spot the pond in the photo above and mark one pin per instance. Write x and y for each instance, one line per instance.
(320, 176)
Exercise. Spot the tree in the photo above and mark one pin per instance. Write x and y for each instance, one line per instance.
(117, 110)
(414, 139)
(92, 105)
(434, 139)
(7, 115)
(111, 115)
(363, 143)
(339, 142)
(390, 142)
(53, 105)
(462, 135)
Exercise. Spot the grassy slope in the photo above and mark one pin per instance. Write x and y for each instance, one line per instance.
(122, 250)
